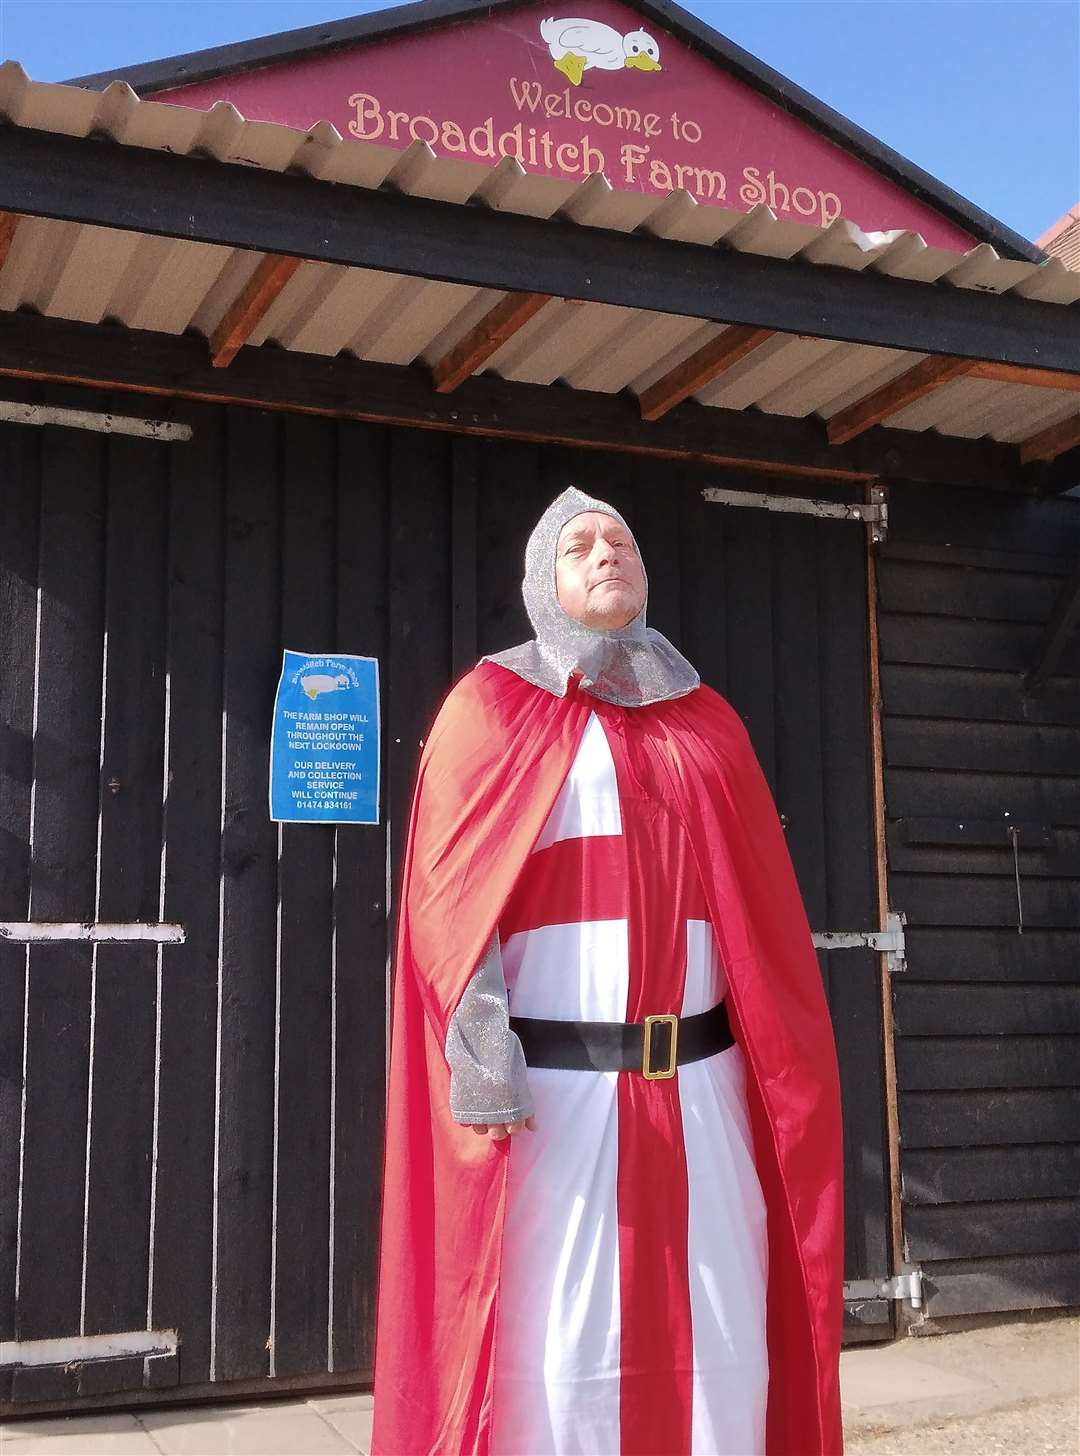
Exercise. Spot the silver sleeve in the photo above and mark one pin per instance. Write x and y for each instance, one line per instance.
(488, 1076)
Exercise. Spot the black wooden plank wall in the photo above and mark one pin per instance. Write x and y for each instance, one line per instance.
(987, 1015)
(199, 1140)
(58, 1025)
(20, 471)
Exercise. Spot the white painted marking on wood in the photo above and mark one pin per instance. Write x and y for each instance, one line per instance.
(93, 991)
(159, 965)
(333, 1107)
(66, 1348)
(214, 1213)
(22, 1125)
(271, 1341)
(14, 413)
(26, 968)
(37, 932)
(89, 1129)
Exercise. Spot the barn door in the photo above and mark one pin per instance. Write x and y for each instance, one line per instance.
(771, 607)
(191, 1102)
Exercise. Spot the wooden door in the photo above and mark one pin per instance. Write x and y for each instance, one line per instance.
(771, 608)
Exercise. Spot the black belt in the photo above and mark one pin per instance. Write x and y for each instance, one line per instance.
(625, 1046)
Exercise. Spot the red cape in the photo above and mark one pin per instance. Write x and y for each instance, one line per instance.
(493, 766)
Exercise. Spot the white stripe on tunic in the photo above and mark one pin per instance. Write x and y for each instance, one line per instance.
(588, 802)
(726, 1235)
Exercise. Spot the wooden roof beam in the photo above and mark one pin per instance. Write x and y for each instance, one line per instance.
(486, 338)
(9, 222)
(1050, 443)
(891, 398)
(1020, 374)
(150, 363)
(250, 307)
(703, 366)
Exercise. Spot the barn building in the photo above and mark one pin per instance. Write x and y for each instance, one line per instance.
(298, 337)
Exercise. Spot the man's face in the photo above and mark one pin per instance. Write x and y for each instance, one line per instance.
(598, 573)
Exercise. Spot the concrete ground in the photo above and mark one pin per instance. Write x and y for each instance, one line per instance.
(1008, 1388)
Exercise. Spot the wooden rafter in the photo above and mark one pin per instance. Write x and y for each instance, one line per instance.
(706, 364)
(890, 399)
(1018, 374)
(931, 374)
(485, 339)
(155, 364)
(9, 222)
(1048, 444)
(251, 304)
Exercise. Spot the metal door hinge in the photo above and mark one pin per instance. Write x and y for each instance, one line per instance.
(70, 1349)
(36, 932)
(874, 512)
(16, 412)
(906, 1286)
(890, 940)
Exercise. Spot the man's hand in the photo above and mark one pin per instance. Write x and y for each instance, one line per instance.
(498, 1130)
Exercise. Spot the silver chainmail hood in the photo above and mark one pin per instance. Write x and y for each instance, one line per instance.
(629, 666)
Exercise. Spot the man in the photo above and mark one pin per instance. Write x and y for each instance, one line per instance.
(613, 1199)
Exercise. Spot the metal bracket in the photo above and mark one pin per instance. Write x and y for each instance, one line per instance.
(879, 502)
(875, 512)
(36, 932)
(906, 1286)
(890, 940)
(15, 412)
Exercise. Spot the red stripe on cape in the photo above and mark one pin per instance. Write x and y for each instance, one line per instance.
(489, 776)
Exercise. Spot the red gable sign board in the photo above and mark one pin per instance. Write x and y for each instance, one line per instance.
(570, 94)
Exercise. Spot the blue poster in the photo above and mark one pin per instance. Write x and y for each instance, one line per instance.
(324, 744)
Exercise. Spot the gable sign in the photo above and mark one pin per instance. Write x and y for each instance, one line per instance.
(573, 93)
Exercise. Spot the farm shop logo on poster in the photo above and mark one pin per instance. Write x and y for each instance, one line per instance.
(625, 142)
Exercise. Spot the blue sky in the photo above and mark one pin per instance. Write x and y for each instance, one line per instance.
(984, 94)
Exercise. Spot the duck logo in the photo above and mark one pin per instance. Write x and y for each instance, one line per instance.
(578, 46)
(321, 682)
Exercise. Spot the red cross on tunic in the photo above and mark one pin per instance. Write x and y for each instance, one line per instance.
(646, 876)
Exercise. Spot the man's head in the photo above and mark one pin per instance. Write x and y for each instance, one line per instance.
(599, 578)
(586, 593)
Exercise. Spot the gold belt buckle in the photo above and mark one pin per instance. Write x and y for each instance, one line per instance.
(646, 1055)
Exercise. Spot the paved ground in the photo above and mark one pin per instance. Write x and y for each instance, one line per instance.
(1039, 1428)
(1008, 1388)
(1012, 1389)
(325, 1424)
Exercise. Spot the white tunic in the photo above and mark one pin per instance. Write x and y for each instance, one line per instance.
(576, 1247)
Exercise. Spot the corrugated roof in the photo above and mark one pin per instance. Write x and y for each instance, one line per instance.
(92, 274)
(1063, 239)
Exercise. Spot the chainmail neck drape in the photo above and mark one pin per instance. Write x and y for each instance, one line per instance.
(629, 666)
